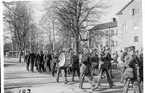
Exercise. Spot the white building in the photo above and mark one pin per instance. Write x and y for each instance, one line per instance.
(130, 25)
(105, 34)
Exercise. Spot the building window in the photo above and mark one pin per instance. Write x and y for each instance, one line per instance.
(136, 24)
(112, 32)
(136, 39)
(135, 11)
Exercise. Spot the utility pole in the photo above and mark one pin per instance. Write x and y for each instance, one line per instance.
(53, 34)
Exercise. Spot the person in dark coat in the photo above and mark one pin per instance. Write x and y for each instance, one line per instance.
(130, 74)
(31, 59)
(104, 67)
(39, 61)
(75, 65)
(47, 65)
(26, 60)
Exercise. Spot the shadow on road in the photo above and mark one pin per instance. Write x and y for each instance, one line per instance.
(7, 65)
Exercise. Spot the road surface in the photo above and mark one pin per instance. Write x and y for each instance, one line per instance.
(17, 79)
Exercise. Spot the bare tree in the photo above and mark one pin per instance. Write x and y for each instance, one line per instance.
(76, 15)
(18, 16)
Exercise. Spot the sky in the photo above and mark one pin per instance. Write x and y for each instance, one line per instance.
(117, 6)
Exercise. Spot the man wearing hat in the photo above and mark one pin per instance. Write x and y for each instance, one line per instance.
(130, 73)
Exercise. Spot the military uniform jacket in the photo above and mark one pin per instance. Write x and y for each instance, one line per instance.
(47, 58)
(31, 57)
(130, 65)
(94, 60)
(105, 61)
(39, 59)
(75, 61)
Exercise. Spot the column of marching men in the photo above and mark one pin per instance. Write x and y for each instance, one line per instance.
(89, 63)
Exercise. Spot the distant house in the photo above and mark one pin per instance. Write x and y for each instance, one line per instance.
(104, 34)
(130, 25)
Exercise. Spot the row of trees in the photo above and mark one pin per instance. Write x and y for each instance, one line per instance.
(76, 16)
(17, 19)
(62, 21)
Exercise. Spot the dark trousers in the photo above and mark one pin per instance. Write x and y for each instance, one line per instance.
(53, 68)
(73, 72)
(32, 66)
(27, 65)
(108, 77)
(39, 67)
(47, 67)
(43, 67)
(58, 73)
(136, 86)
(69, 70)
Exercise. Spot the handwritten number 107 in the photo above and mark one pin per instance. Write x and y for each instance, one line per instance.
(25, 91)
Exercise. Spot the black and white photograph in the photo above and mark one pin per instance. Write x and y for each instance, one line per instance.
(72, 46)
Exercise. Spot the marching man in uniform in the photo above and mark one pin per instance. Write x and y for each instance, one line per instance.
(75, 65)
(103, 67)
(85, 70)
(130, 73)
(59, 68)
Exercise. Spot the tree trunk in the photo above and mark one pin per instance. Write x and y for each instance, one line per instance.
(77, 45)
(20, 56)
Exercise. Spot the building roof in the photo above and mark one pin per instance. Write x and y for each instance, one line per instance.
(104, 26)
(120, 12)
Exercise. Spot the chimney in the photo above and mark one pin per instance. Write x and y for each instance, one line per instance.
(114, 19)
